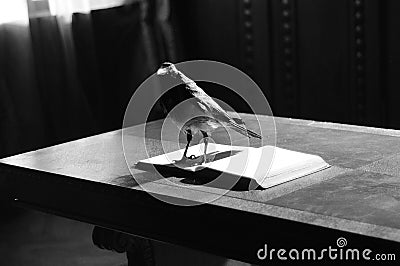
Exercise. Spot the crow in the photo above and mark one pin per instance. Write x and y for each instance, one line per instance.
(194, 111)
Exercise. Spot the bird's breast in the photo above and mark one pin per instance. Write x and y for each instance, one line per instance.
(185, 111)
(202, 123)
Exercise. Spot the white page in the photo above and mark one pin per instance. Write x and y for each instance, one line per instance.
(267, 165)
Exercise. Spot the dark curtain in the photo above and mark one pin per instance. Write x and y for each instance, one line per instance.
(62, 81)
(21, 110)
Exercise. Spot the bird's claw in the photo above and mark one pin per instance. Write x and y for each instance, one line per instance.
(188, 160)
(198, 160)
(192, 160)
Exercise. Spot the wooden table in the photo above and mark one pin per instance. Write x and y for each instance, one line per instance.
(358, 198)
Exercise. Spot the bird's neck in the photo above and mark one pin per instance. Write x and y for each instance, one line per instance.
(185, 79)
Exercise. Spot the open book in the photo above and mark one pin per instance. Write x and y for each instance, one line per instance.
(266, 166)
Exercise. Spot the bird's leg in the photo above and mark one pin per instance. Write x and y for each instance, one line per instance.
(189, 139)
(184, 160)
(205, 137)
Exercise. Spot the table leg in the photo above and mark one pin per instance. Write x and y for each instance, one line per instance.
(139, 251)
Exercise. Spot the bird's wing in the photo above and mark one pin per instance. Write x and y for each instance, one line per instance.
(211, 108)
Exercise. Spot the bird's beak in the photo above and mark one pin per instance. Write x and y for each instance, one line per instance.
(161, 71)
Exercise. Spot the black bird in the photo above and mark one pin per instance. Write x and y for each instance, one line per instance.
(194, 111)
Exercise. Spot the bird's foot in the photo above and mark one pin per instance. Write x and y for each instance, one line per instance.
(198, 160)
(187, 161)
(191, 160)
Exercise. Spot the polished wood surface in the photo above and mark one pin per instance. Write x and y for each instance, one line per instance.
(357, 198)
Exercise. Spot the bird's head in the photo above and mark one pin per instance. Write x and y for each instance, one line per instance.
(167, 68)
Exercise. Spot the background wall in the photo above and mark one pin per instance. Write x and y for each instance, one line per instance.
(329, 60)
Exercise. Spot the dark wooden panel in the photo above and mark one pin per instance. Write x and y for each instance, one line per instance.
(207, 29)
(393, 62)
(330, 60)
(323, 49)
(233, 32)
(283, 51)
(263, 60)
(365, 62)
(375, 83)
(254, 27)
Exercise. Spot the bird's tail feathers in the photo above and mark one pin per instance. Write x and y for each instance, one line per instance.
(241, 129)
